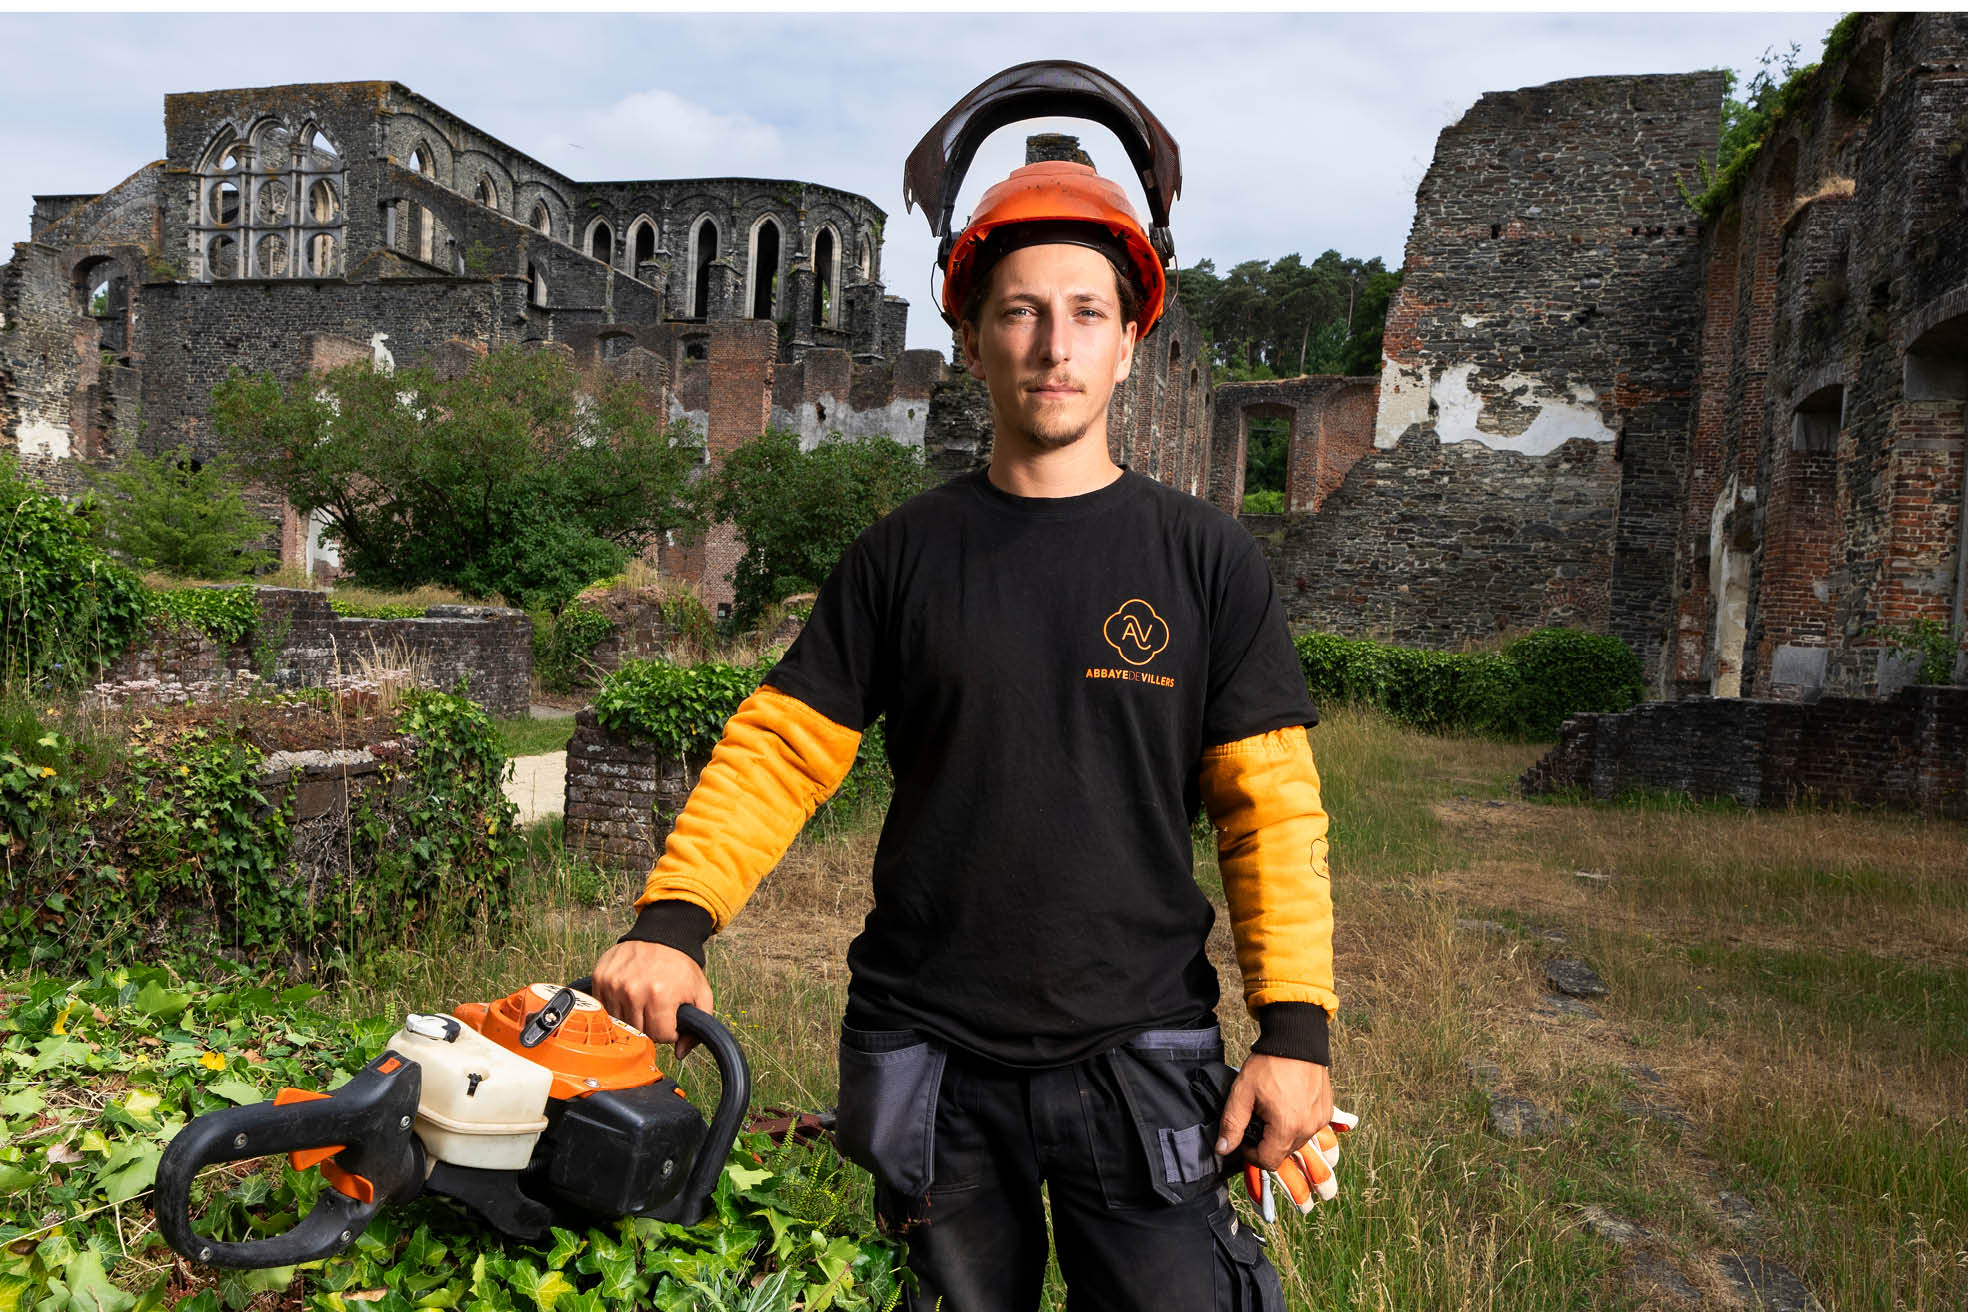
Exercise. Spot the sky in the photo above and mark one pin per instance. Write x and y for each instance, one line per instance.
(1299, 132)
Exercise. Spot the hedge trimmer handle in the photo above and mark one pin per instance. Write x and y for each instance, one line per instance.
(735, 1077)
(361, 1136)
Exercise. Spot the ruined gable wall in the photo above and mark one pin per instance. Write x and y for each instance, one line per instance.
(126, 214)
(1840, 266)
(1543, 338)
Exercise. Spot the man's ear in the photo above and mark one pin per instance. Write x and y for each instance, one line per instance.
(1125, 364)
(972, 361)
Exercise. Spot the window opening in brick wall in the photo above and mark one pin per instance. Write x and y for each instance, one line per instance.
(867, 260)
(1815, 423)
(826, 278)
(538, 280)
(762, 270)
(601, 241)
(423, 225)
(703, 250)
(1267, 451)
(105, 297)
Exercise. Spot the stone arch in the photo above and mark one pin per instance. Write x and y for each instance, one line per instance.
(600, 241)
(703, 250)
(421, 227)
(542, 218)
(865, 259)
(486, 193)
(764, 260)
(642, 243)
(826, 256)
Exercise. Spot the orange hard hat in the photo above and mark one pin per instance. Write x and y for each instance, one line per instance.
(1065, 202)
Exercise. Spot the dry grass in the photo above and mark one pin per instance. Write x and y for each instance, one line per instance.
(1792, 987)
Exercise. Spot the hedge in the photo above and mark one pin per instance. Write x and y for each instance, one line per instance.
(1524, 692)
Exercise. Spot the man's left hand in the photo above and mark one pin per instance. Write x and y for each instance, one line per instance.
(1293, 1098)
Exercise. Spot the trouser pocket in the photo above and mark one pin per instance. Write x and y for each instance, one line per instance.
(1173, 1083)
(887, 1117)
(1245, 1279)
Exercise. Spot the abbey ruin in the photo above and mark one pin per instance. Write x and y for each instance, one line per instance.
(1735, 441)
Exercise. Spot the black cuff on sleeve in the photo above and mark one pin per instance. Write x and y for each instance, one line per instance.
(675, 924)
(1293, 1029)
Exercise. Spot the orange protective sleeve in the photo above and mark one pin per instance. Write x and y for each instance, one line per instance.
(778, 761)
(1262, 794)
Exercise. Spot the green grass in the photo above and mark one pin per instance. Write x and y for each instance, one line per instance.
(525, 736)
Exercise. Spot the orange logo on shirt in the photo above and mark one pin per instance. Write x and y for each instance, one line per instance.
(1136, 632)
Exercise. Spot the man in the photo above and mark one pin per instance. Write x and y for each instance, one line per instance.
(1069, 657)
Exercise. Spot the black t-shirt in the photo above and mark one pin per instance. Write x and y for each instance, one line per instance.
(1051, 671)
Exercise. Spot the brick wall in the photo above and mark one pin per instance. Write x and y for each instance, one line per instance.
(301, 642)
(622, 796)
(1908, 753)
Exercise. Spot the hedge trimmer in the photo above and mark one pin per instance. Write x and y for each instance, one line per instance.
(539, 1109)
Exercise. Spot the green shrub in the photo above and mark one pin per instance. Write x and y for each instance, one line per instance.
(225, 615)
(1525, 692)
(681, 709)
(564, 645)
(66, 608)
(1568, 672)
(1925, 640)
(185, 518)
(183, 849)
(1264, 503)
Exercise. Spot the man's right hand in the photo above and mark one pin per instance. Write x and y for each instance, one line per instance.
(645, 983)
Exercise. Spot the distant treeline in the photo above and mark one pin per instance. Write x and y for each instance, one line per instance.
(1282, 318)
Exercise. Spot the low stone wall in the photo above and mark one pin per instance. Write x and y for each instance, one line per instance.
(622, 794)
(1909, 753)
(301, 642)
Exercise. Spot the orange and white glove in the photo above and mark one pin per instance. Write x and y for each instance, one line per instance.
(1306, 1176)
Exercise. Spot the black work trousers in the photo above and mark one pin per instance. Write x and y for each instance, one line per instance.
(1122, 1143)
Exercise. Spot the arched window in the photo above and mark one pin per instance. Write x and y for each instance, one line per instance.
(423, 225)
(542, 218)
(867, 260)
(270, 204)
(642, 243)
(826, 278)
(703, 250)
(601, 241)
(762, 270)
(486, 193)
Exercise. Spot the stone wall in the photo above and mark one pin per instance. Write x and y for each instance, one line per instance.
(1823, 494)
(301, 642)
(1543, 340)
(622, 796)
(1908, 753)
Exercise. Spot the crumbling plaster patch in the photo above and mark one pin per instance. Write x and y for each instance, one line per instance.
(49, 441)
(1460, 413)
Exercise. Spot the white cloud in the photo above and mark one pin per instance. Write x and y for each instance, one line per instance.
(659, 134)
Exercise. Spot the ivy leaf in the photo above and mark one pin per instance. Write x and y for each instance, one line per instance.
(237, 1092)
(24, 1103)
(161, 1003)
(141, 1103)
(87, 1289)
(13, 1179)
(13, 1290)
(542, 1289)
(566, 1244)
(745, 1177)
(422, 1250)
(124, 1181)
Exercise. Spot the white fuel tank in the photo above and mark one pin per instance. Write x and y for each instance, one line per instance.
(481, 1105)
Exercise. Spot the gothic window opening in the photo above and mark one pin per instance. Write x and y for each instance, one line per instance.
(826, 278)
(487, 194)
(764, 269)
(423, 235)
(703, 250)
(542, 218)
(270, 204)
(867, 261)
(642, 242)
(601, 242)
